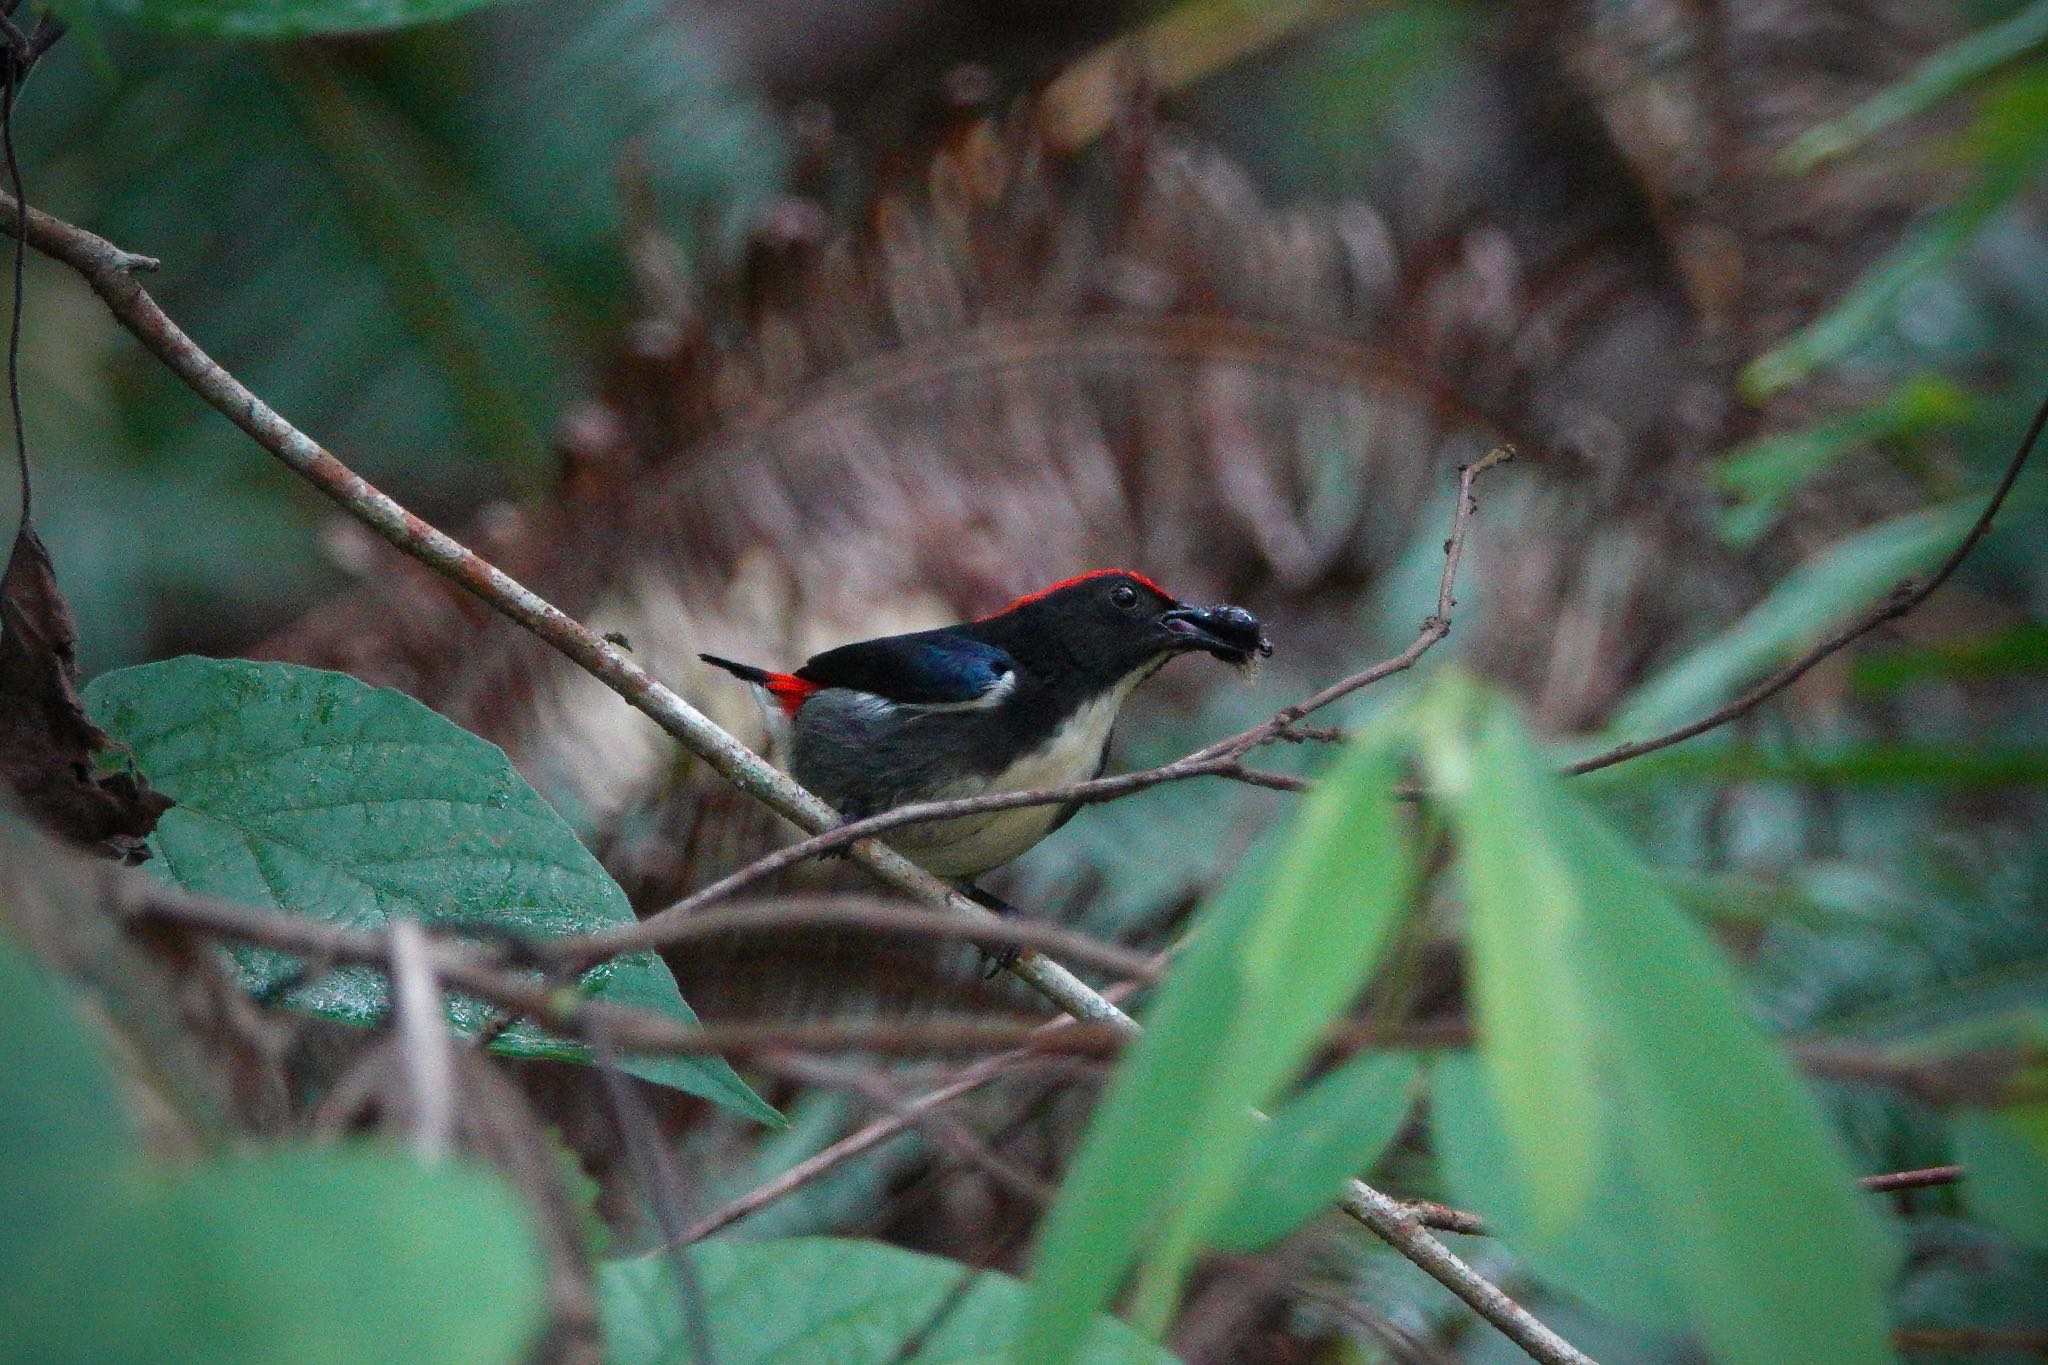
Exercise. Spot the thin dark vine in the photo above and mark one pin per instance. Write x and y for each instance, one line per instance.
(10, 86)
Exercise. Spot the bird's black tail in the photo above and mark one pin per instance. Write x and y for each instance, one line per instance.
(744, 672)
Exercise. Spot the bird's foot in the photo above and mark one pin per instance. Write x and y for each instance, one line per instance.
(847, 815)
(997, 959)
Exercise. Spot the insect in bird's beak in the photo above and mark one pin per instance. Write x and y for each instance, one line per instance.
(1231, 634)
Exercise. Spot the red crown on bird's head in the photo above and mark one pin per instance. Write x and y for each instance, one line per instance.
(1079, 578)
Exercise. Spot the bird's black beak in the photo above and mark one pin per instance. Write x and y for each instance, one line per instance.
(1232, 634)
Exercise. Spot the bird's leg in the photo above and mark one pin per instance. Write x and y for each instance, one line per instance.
(850, 810)
(989, 900)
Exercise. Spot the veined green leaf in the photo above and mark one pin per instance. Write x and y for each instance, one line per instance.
(312, 793)
(830, 1299)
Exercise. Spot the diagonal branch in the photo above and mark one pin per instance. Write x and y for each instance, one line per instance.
(111, 273)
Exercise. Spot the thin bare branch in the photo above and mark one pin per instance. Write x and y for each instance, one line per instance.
(654, 1165)
(879, 916)
(423, 1043)
(951, 1135)
(970, 1078)
(1927, 1177)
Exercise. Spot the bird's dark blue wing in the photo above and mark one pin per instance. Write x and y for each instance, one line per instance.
(928, 668)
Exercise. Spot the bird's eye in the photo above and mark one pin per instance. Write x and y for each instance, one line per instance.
(1124, 595)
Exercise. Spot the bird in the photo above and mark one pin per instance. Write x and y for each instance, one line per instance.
(1025, 698)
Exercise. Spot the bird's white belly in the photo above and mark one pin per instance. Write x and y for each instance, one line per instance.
(972, 844)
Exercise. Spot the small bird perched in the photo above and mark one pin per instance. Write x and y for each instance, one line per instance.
(1025, 698)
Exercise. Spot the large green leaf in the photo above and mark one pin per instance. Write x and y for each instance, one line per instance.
(1747, 1205)
(1272, 960)
(292, 1255)
(1599, 1258)
(313, 793)
(828, 1299)
(1526, 936)
(275, 18)
(1333, 1129)
(1754, 1202)
(60, 1129)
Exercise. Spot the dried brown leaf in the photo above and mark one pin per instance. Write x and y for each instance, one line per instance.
(47, 742)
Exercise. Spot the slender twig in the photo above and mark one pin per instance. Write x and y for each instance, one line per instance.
(651, 1160)
(111, 273)
(16, 70)
(970, 1078)
(1925, 1178)
(423, 1044)
(951, 1135)
(641, 1030)
(875, 915)
(2031, 1341)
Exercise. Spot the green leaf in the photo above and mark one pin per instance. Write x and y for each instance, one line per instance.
(1972, 767)
(1600, 1259)
(312, 793)
(60, 1130)
(1754, 1204)
(2020, 650)
(274, 18)
(1526, 935)
(1818, 594)
(1932, 81)
(829, 1299)
(2008, 143)
(2006, 1154)
(1271, 961)
(1763, 474)
(1747, 1206)
(1334, 1129)
(293, 1254)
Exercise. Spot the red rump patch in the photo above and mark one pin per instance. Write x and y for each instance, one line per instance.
(790, 691)
(1064, 583)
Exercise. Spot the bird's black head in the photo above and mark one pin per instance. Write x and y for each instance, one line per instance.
(1113, 622)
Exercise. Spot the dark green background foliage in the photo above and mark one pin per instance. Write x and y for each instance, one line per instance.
(1705, 990)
